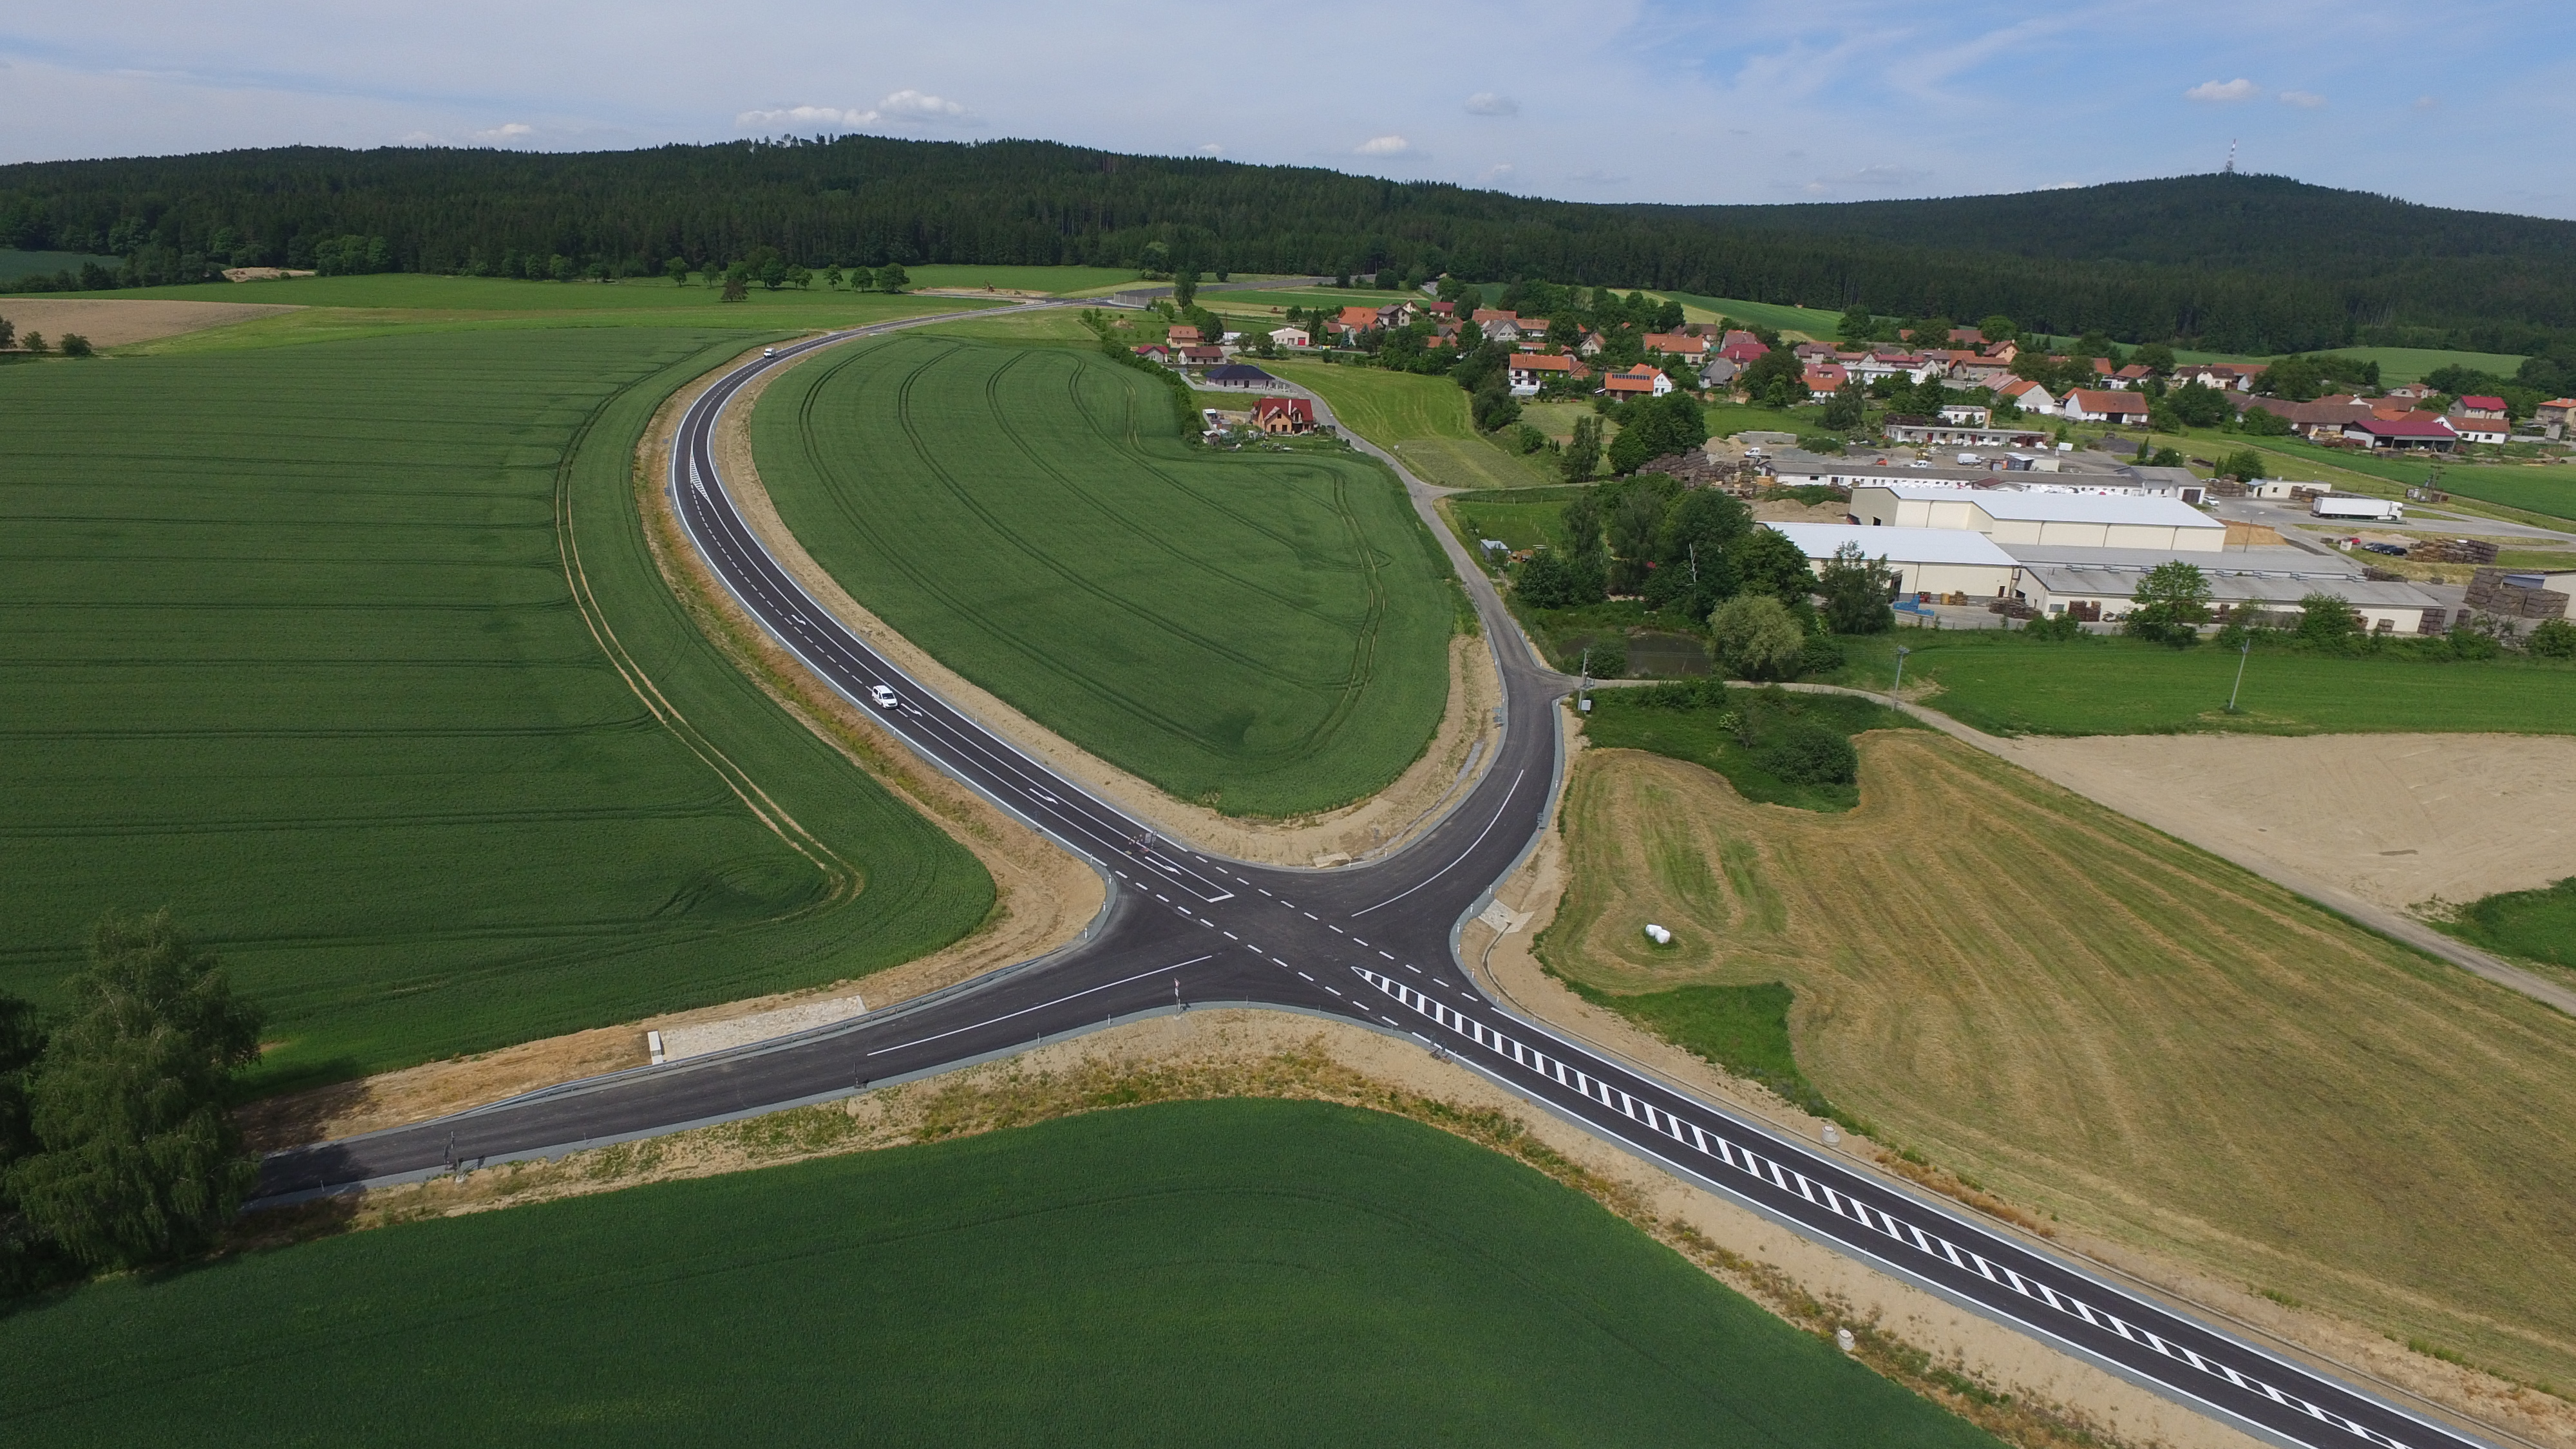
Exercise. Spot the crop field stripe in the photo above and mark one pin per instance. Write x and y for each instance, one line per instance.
(1181, 557)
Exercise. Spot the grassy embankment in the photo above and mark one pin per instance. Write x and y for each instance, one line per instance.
(2007, 683)
(1422, 420)
(2109, 1029)
(1237, 1272)
(2537, 925)
(1264, 634)
(295, 652)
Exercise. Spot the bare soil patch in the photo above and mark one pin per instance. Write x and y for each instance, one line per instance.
(1790, 510)
(2399, 820)
(2177, 1067)
(1414, 803)
(2054, 1402)
(109, 323)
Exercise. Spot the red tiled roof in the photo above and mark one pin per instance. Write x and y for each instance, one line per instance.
(2414, 425)
(2103, 400)
(1543, 362)
(2483, 403)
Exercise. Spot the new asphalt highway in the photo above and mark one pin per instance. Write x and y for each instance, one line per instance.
(1371, 943)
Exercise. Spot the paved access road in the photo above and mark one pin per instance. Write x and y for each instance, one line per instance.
(1371, 943)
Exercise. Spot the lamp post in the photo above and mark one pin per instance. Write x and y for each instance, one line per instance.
(2242, 655)
(1901, 652)
(1582, 683)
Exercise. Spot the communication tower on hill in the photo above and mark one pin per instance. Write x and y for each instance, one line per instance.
(2230, 168)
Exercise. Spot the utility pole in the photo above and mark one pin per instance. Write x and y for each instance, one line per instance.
(1901, 652)
(1582, 683)
(2243, 654)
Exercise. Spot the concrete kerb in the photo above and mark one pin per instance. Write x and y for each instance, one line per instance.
(744, 1114)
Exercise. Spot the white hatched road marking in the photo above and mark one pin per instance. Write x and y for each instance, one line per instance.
(1763, 1169)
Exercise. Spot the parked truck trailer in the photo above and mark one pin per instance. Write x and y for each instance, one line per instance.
(2347, 505)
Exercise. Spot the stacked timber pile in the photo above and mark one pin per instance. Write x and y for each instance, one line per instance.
(2453, 550)
(2492, 592)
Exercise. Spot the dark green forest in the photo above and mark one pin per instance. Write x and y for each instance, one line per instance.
(2254, 264)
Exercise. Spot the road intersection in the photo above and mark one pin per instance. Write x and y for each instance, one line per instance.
(1371, 943)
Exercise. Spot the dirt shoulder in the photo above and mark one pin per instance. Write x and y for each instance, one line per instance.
(1045, 897)
(1382, 822)
(108, 323)
(2004, 1381)
(2394, 819)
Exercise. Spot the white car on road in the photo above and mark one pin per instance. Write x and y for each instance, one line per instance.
(882, 697)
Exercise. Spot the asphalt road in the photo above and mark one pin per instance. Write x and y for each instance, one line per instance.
(1372, 943)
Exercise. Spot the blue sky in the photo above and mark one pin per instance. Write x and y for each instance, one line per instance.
(2470, 105)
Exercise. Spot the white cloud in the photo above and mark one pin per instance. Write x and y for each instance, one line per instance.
(913, 106)
(903, 108)
(1211, 149)
(2304, 100)
(1496, 174)
(1487, 103)
(2223, 92)
(2428, 103)
(509, 132)
(1383, 146)
(1597, 176)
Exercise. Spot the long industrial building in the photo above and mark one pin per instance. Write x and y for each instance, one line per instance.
(2065, 518)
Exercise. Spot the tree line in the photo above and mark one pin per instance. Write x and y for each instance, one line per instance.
(116, 1146)
(2235, 263)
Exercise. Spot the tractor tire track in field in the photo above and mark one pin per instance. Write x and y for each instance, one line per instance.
(842, 880)
(845, 497)
(1339, 694)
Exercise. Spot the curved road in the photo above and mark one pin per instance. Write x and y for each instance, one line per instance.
(1370, 943)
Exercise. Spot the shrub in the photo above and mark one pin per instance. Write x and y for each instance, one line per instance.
(75, 345)
(1756, 636)
(2055, 626)
(1820, 656)
(1806, 753)
(2554, 639)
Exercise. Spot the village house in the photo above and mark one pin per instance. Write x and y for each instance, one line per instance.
(1530, 370)
(2131, 375)
(1502, 326)
(2412, 433)
(1285, 415)
(2027, 395)
(2478, 406)
(1676, 344)
(1355, 322)
(1153, 352)
(1824, 377)
(2482, 430)
(1637, 381)
(1183, 336)
(2556, 414)
(2224, 376)
(1290, 336)
(2102, 405)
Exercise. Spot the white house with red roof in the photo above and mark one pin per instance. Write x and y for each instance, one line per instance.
(2027, 395)
(2102, 405)
(1677, 344)
(1530, 370)
(2482, 430)
(1824, 377)
(2411, 433)
(1637, 381)
(2479, 406)
(1283, 415)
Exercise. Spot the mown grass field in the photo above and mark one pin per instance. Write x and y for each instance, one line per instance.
(2107, 1026)
(2411, 364)
(1423, 420)
(293, 649)
(1261, 633)
(1219, 1273)
(2005, 683)
(1055, 281)
(1805, 321)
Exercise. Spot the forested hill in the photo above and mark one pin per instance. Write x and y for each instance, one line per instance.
(2241, 263)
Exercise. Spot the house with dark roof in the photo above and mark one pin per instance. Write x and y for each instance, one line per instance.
(1240, 374)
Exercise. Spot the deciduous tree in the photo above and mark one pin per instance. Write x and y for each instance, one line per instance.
(1757, 637)
(135, 1158)
(2171, 603)
(1856, 589)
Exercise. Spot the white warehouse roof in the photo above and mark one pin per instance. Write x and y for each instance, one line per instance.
(2054, 507)
(1900, 545)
